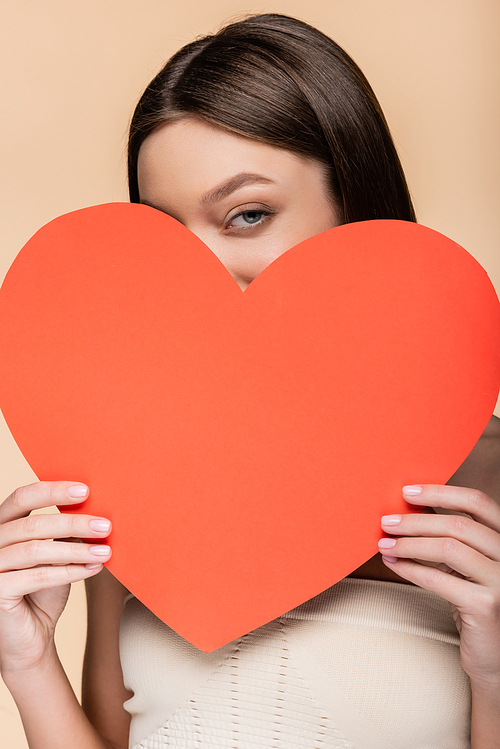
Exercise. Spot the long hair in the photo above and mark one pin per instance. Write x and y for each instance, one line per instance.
(277, 80)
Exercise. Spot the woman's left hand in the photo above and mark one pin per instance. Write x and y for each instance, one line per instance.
(467, 554)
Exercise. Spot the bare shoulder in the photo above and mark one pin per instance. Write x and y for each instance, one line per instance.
(105, 587)
(481, 469)
(103, 689)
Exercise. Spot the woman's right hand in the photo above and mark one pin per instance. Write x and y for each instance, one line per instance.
(40, 556)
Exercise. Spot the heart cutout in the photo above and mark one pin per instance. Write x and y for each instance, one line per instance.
(244, 445)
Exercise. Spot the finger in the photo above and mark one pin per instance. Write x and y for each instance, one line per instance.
(53, 526)
(41, 494)
(460, 557)
(477, 504)
(41, 553)
(461, 593)
(474, 534)
(15, 585)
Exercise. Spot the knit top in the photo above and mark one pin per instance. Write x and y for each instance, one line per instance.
(364, 665)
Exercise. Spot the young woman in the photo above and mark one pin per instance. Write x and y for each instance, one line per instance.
(257, 138)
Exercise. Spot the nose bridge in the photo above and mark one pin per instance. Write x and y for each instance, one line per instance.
(243, 263)
(203, 233)
(215, 243)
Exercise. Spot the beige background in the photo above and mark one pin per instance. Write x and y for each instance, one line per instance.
(72, 72)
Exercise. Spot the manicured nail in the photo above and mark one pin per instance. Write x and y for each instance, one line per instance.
(412, 491)
(78, 491)
(391, 560)
(100, 551)
(391, 519)
(387, 543)
(92, 566)
(100, 525)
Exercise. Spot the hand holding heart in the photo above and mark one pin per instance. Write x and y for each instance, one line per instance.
(232, 437)
(466, 553)
(37, 567)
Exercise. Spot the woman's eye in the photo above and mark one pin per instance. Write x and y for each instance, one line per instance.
(247, 219)
(251, 217)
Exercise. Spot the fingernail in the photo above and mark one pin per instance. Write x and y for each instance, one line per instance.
(412, 491)
(78, 491)
(391, 519)
(100, 551)
(92, 566)
(391, 560)
(100, 525)
(387, 543)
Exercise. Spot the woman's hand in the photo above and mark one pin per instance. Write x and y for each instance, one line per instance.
(467, 554)
(36, 571)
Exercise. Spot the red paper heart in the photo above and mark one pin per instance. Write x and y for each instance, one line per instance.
(243, 444)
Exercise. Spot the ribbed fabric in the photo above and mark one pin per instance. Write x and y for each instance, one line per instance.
(364, 665)
(373, 603)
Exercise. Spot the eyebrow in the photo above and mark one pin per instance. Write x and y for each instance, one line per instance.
(233, 184)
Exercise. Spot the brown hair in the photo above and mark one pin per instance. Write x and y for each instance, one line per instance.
(278, 80)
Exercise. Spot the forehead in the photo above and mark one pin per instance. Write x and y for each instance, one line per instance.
(193, 156)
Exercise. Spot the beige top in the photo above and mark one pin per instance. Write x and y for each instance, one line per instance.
(364, 665)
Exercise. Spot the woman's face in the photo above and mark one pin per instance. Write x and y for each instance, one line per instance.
(247, 201)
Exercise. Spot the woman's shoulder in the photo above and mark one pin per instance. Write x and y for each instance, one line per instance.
(103, 690)
(481, 469)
